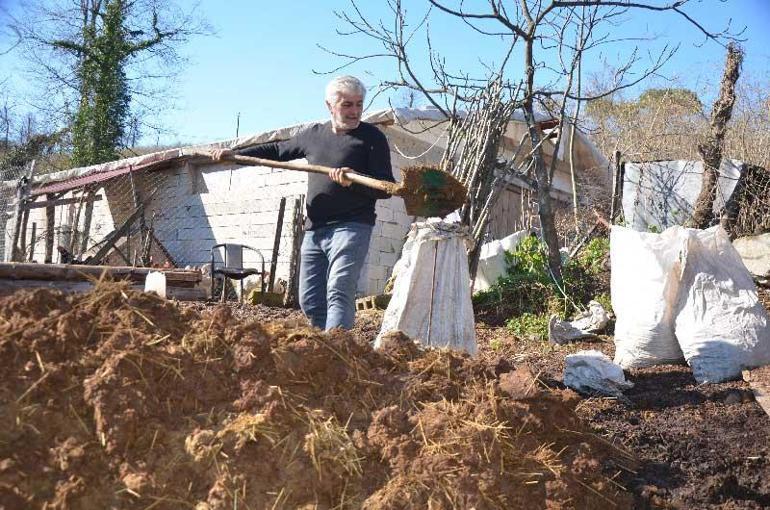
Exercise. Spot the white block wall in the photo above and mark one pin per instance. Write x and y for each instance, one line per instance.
(197, 207)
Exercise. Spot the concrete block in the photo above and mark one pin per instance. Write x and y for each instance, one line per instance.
(196, 234)
(376, 272)
(388, 259)
(403, 219)
(393, 230)
(373, 257)
(258, 231)
(385, 214)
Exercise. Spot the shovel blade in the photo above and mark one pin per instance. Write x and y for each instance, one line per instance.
(428, 191)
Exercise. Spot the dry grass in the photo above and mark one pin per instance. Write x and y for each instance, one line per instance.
(330, 448)
(247, 427)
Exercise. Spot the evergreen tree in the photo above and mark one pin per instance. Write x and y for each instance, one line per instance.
(102, 116)
(94, 56)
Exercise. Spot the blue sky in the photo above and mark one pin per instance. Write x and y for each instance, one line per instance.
(261, 60)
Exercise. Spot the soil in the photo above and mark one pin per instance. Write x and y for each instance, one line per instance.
(117, 399)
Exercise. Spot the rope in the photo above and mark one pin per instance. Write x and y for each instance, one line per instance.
(446, 129)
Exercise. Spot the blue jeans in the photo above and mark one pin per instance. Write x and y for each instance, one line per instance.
(332, 259)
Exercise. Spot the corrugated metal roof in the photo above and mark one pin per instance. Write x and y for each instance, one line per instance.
(84, 180)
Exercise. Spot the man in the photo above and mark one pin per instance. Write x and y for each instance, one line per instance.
(340, 214)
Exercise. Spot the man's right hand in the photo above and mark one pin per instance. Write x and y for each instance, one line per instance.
(220, 154)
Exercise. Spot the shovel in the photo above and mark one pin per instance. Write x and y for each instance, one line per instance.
(427, 191)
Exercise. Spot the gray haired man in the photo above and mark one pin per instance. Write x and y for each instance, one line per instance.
(340, 214)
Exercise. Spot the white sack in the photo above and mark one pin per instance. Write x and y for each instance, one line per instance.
(721, 325)
(593, 371)
(431, 296)
(644, 285)
(492, 264)
(585, 325)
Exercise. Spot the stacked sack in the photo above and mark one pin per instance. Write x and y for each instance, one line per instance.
(686, 294)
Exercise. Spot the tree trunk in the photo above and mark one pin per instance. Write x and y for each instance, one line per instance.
(545, 211)
(712, 148)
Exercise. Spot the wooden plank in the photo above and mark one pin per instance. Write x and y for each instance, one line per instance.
(291, 298)
(8, 287)
(276, 244)
(50, 225)
(23, 235)
(148, 241)
(62, 201)
(87, 223)
(32, 242)
(77, 272)
(109, 241)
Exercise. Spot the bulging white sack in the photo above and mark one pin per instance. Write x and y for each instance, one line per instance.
(644, 284)
(431, 296)
(492, 263)
(721, 325)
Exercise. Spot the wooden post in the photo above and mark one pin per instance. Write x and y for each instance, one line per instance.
(22, 195)
(292, 286)
(74, 225)
(109, 241)
(23, 234)
(32, 242)
(142, 222)
(276, 245)
(148, 242)
(615, 178)
(50, 223)
(87, 223)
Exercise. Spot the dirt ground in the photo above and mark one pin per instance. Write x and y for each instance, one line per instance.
(698, 446)
(117, 399)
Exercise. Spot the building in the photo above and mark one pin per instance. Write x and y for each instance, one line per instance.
(189, 203)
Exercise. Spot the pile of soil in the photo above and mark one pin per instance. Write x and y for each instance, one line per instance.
(118, 399)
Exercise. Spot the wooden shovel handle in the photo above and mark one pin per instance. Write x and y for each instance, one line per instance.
(364, 180)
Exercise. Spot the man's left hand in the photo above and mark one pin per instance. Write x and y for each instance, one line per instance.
(338, 176)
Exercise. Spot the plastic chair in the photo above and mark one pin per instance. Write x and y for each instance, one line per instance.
(232, 268)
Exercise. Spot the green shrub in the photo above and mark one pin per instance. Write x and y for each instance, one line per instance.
(527, 295)
(529, 324)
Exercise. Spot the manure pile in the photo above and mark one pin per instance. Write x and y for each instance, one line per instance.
(118, 399)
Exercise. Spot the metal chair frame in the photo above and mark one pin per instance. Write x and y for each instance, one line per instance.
(232, 267)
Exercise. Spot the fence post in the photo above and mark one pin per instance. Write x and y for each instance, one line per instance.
(50, 225)
(276, 244)
(292, 286)
(617, 187)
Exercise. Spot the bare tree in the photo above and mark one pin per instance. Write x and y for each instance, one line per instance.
(542, 45)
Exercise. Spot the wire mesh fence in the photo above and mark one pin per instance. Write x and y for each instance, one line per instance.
(748, 210)
(164, 211)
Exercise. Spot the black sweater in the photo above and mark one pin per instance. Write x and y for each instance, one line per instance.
(364, 149)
